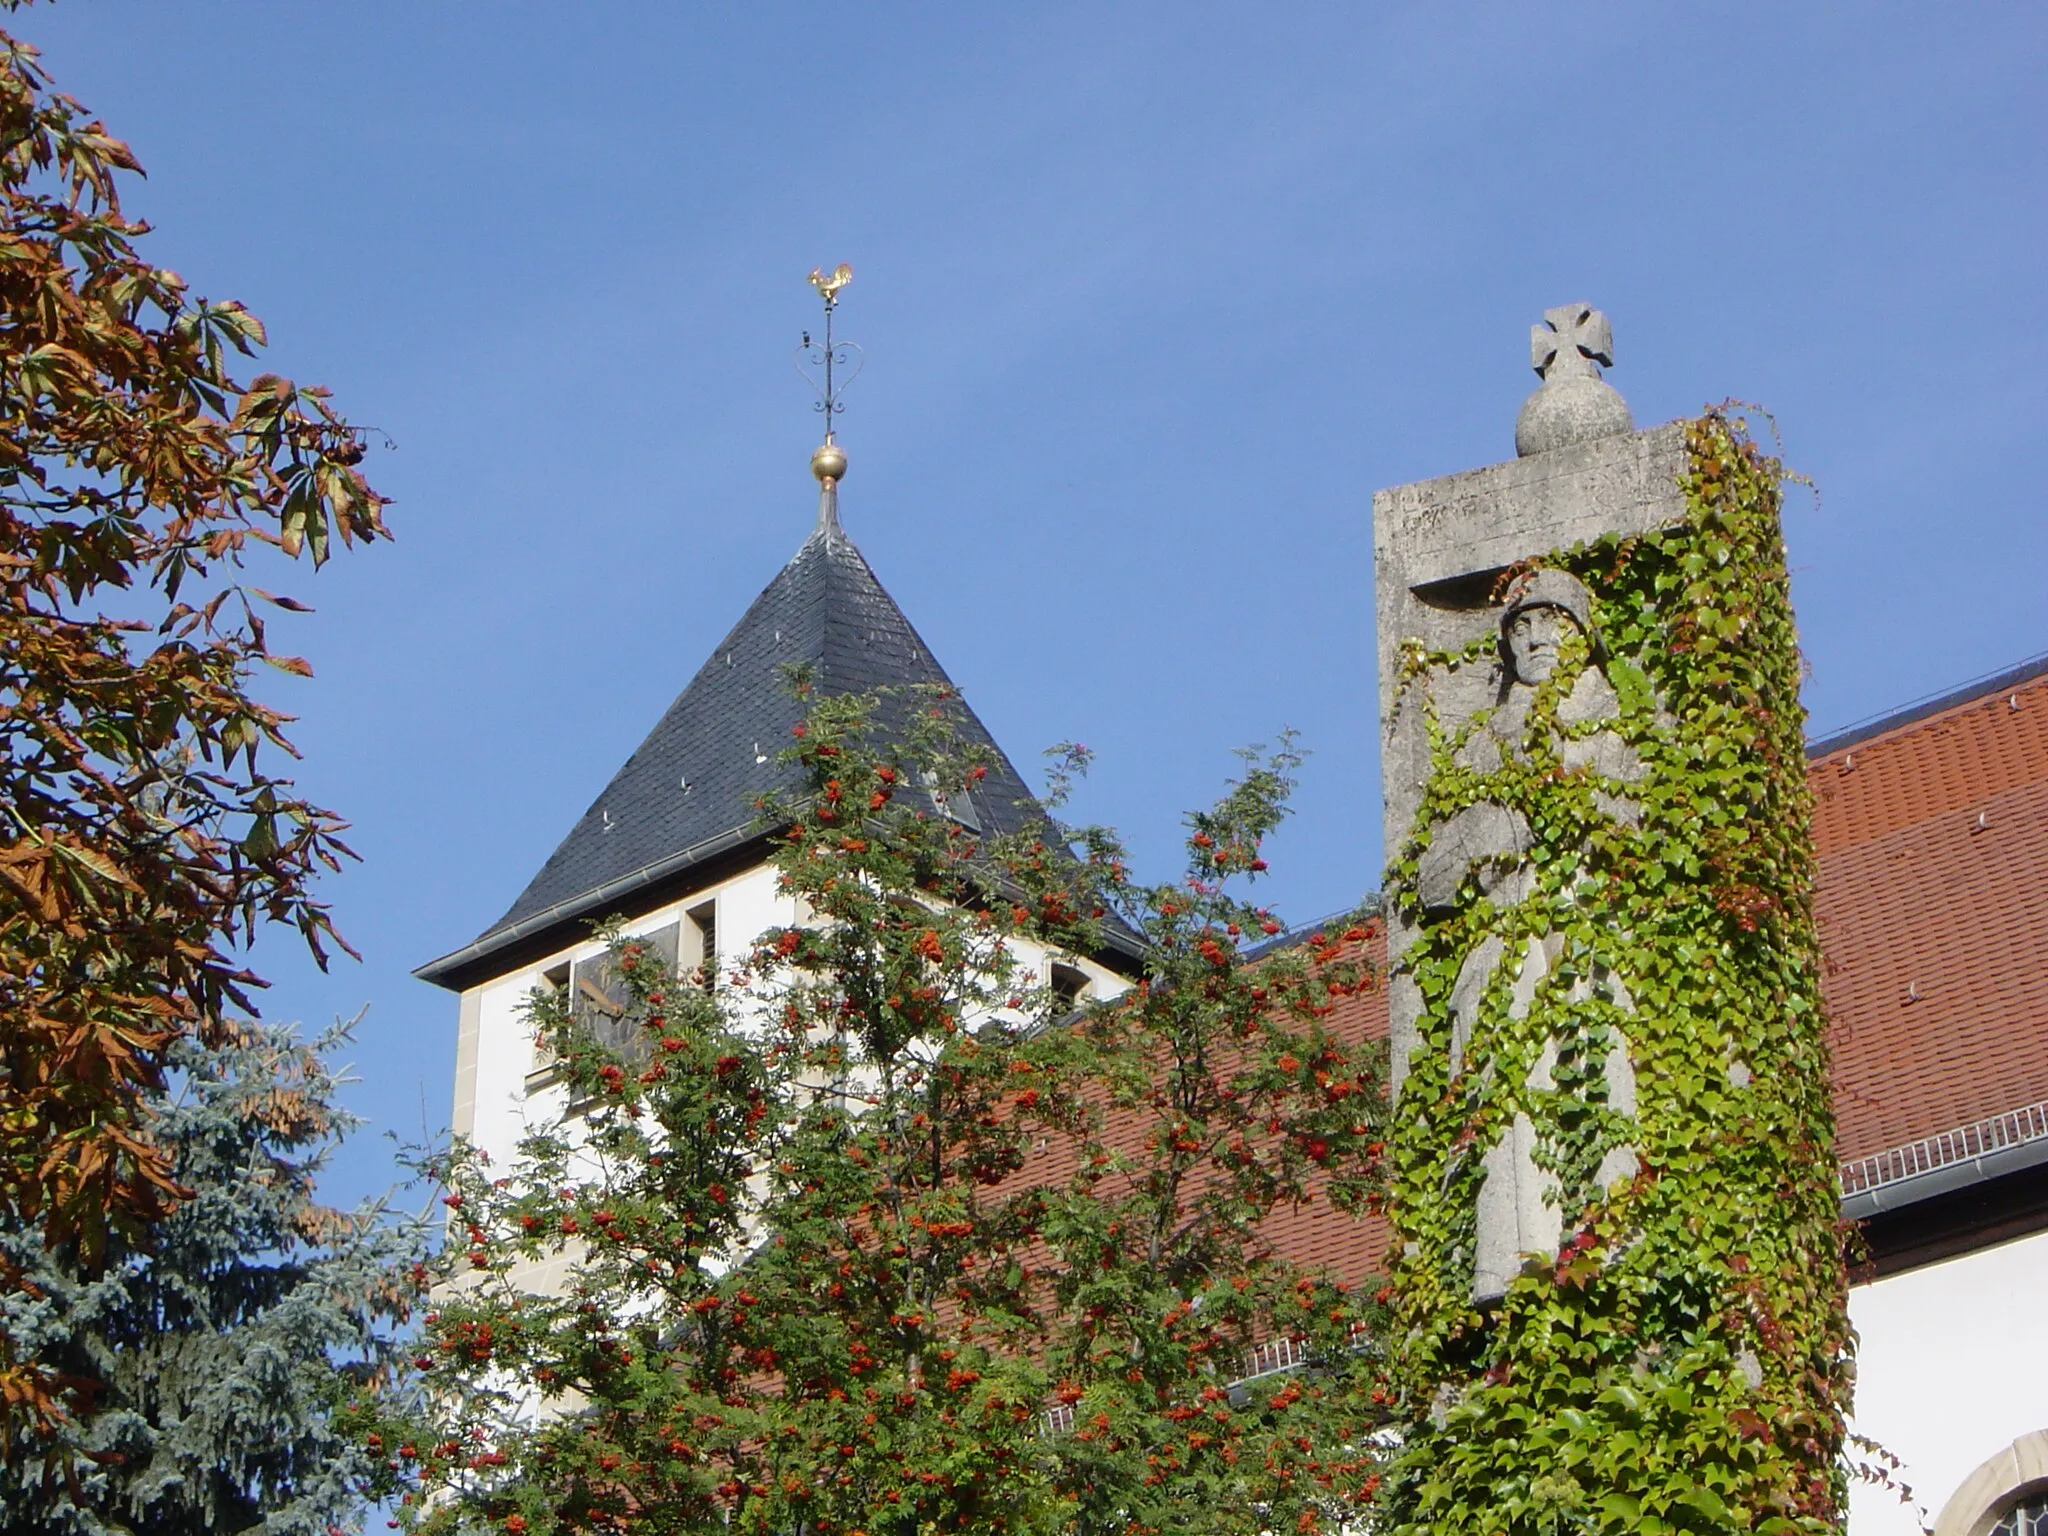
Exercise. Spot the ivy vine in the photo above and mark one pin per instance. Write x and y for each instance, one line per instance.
(1644, 1012)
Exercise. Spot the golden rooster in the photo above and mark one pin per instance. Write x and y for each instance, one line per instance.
(829, 284)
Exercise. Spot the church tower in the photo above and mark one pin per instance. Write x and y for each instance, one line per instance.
(672, 846)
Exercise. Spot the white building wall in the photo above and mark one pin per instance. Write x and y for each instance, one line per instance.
(494, 1103)
(1952, 1368)
(501, 1109)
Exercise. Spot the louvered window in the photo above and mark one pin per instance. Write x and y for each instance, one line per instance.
(1069, 986)
(597, 994)
(958, 804)
(700, 944)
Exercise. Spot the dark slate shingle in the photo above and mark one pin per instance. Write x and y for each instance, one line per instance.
(723, 732)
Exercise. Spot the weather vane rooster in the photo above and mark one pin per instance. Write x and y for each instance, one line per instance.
(828, 284)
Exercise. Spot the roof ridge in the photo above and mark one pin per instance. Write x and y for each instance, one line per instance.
(1927, 706)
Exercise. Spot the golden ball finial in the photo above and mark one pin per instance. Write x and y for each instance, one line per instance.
(828, 461)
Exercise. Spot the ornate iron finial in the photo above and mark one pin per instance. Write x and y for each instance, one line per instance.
(828, 366)
(1574, 404)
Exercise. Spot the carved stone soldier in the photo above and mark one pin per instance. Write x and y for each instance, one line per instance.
(1520, 1200)
(1490, 836)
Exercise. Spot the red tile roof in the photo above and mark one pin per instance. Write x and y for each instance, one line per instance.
(1933, 909)
(1932, 829)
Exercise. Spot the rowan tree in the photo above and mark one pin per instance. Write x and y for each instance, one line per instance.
(145, 837)
(878, 1236)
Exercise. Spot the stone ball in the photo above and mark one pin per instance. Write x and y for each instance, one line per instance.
(1570, 411)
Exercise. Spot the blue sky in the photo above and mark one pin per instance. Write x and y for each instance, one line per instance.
(1153, 297)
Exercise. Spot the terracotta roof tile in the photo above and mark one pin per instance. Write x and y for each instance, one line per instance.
(1311, 1234)
(1896, 778)
(1915, 898)
(1933, 906)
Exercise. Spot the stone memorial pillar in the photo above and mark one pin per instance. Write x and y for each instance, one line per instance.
(1618, 1285)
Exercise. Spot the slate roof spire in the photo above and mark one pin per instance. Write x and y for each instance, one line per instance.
(686, 796)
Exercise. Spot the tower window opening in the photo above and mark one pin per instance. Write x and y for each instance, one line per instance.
(541, 1071)
(955, 804)
(1071, 988)
(599, 1000)
(700, 944)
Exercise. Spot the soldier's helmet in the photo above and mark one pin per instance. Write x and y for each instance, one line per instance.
(1547, 588)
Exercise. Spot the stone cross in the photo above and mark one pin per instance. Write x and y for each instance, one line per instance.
(1573, 404)
(1571, 340)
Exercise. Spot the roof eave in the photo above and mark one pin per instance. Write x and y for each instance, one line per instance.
(458, 968)
(461, 968)
(1949, 1212)
(1936, 1182)
(1856, 734)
